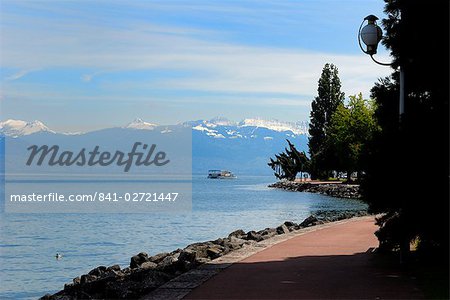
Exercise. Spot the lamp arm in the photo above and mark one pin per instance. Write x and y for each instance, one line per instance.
(380, 63)
(362, 49)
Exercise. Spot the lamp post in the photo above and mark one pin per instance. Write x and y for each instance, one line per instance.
(371, 35)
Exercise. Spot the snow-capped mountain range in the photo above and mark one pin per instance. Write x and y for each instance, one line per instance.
(243, 147)
(247, 128)
(217, 127)
(16, 128)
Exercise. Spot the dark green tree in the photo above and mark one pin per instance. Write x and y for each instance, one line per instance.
(322, 108)
(410, 158)
(289, 163)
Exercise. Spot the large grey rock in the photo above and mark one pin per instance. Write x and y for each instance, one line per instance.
(237, 233)
(219, 241)
(233, 243)
(98, 271)
(86, 278)
(291, 225)
(254, 236)
(138, 259)
(282, 229)
(309, 221)
(158, 257)
(267, 233)
(236, 240)
(187, 255)
(189, 259)
(148, 265)
(113, 268)
(169, 263)
(215, 251)
(200, 248)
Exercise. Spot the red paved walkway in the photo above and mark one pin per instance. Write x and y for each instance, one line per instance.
(330, 263)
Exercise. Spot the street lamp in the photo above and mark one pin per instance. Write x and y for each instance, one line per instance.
(371, 34)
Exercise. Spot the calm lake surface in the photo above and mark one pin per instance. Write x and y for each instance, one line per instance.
(29, 242)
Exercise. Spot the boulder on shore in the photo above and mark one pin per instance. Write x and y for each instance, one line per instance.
(138, 259)
(282, 229)
(309, 221)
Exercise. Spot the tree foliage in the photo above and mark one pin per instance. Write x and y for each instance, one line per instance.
(410, 158)
(289, 163)
(322, 108)
(350, 130)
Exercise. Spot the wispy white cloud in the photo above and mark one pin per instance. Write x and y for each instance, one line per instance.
(261, 70)
(215, 63)
(19, 74)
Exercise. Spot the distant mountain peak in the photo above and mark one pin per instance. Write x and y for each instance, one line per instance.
(17, 128)
(219, 121)
(138, 123)
(276, 125)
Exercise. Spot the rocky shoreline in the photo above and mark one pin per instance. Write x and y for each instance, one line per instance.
(146, 273)
(339, 190)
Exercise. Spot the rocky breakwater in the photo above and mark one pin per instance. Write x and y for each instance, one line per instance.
(145, 273)
(333, 189)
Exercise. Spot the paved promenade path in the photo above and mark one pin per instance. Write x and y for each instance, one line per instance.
(334, 262)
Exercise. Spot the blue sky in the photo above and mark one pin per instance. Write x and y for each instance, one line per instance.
(81, 65)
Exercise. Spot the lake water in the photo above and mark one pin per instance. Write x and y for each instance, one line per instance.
(29, 242)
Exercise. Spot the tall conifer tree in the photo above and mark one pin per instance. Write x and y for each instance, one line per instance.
(322, 108)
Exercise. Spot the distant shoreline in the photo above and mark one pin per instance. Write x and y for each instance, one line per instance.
(329, 188)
